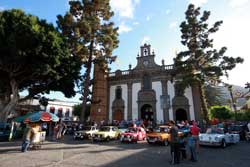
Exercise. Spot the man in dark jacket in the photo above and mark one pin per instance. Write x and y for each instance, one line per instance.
(174, 143)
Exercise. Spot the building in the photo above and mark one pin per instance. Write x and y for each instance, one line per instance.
(148, 92)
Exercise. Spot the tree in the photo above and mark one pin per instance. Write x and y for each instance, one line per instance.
(220, 112)
(78, 110)
(92, 37)
(202, 63)
(34, 57)
(215, 96)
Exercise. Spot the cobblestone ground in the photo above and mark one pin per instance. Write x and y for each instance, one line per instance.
(70, 153)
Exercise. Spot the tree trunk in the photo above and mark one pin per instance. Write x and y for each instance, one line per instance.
(8, 107)
(204, 107)
(86, 83)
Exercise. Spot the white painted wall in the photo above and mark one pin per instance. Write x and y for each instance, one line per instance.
(136, 87)
(111, 99)
(171, 93)
(188, 94)
(158, 90)
(125, 98)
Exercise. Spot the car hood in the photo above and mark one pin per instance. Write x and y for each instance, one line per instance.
(208, 137)
(101, 133)
(155, 134)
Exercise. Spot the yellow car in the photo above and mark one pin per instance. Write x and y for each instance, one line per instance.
(159, 135)
(106, 133)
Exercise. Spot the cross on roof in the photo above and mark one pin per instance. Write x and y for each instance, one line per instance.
(145, 52)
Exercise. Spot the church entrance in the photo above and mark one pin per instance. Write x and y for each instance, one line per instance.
(181, 115)
(147, 112)
(118, 115)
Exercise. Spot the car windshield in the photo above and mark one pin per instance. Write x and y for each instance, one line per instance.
(215, 131)
(161, 129)
(235, 128)
(104, 128)
(131, 130)
(86, 128)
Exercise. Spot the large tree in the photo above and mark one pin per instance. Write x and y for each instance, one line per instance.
(92, 36)
(34, 57)
(201, 64)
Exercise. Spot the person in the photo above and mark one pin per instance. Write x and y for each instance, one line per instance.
(174, 144)
(27, 137)
(61, 126)
(191, 147)
(195, 131)
(183, 146)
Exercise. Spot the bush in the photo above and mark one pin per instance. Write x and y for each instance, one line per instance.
(220, 112)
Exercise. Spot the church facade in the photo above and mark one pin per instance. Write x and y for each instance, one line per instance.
(147, 92)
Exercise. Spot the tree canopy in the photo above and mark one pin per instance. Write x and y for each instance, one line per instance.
(92, 37)
(220, 112)
(34, 57)
(200, 63)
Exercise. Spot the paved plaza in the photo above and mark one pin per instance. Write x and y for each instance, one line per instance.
(70, 153)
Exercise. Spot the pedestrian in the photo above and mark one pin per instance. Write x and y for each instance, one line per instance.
(174, 144)
(191, 147)
(27, 137)
(61, 126)
(195, 130)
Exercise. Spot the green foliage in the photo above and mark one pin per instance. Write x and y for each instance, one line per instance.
(215, 96)
(78, 109)
(35, 55)
(220, 112)
(200, 63)
(92, 37)
(243, 115)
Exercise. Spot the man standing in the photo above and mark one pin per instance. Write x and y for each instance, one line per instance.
(174, 143)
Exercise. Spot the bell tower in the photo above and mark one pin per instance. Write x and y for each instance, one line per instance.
(99, 103)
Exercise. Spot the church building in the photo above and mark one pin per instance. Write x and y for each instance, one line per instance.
(148, 92)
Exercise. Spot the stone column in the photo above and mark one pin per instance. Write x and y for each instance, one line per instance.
(129, 100)
(164, 85)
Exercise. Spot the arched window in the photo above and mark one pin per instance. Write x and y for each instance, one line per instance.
(146, 82)
(118, 92)
(52, 110)
(59, 113)
(67, 112)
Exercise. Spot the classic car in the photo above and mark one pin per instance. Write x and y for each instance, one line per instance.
(217, 137)
(133, 134)
(238, 129)
(159, 135)
(106, 133)
(86, 132)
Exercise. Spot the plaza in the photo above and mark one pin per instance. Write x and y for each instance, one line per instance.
(83, 153)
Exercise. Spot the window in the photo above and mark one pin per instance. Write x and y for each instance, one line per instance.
(67, 112)
(118, 92)
(146, 82)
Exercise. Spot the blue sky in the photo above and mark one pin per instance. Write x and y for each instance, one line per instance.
(157, 22)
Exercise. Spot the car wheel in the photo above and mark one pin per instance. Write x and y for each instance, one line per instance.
(223, 143)
(108, 138)
(165, 143)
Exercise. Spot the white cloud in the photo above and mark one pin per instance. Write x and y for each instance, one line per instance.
(123, 28)
(238, 3)
(145, 39)
(136, 23)
(234, 34)
(198, 2)
(173, 25)
(124, 8)
(167, 11)
(148, 18)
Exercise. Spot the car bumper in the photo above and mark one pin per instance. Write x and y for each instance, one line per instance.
(209, 143)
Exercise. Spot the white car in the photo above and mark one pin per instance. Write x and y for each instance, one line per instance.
(217, 137)
(87, 132)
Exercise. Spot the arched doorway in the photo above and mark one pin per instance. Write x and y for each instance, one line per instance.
(147, 112)
(118, 115)
(181, 115)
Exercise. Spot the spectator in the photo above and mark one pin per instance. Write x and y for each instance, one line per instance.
(191, 147)
(195, 131)
(174, 144)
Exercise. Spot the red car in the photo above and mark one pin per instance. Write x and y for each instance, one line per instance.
(133, 134)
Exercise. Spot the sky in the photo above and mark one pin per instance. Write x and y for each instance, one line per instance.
(156, 22)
